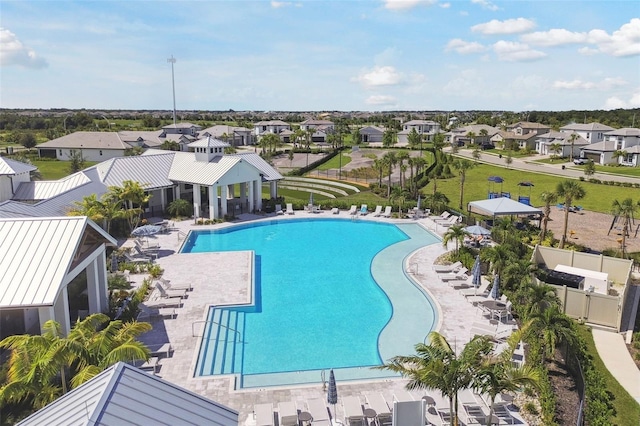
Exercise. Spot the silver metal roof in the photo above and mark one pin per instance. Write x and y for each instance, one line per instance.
(35, 256)
(12, 167)
(267, 171)
(43, 189)
(186, 168)
(88, 140)
(208, 142)
(151, 171)
(124, 395)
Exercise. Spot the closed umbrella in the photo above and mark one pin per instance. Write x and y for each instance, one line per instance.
(476, 276)
(332, 393)
(419, 202)
(495, 290)
(114, 263)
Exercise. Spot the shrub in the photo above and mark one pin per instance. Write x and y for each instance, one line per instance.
(530, 407)
(155, 271)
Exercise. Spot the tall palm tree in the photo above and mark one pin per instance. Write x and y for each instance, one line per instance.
(499, 256)
(378, 166)
(472, 137)
(556, 148)
(437, 202)
(551, 326)
(624, 209)
(402, 156)
(548, 198)
(533, 299)
(133, 197)
(454, 233)
(506, 226)
(437, 366)
(102, 211)
(569, 190)
(572, 139)
(619, 153)
(463, 166)
(390, 160)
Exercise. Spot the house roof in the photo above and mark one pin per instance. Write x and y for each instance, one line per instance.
(590, 127)
(208, 142)
(604, 146)
(528, 125)
(501, 207)
(43, 189)
(87, 140)
(419, 122)
(371, 129)
(312, 122)
(125, 395)
(625, 131)
(151, 171)
(475, 128)
(147, 138)
(37, 253)
(562, 138)
(182, 126)
(271, 123)
(13, 167)
(220, 129)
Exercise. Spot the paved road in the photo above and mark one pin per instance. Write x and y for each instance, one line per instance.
(527, 164)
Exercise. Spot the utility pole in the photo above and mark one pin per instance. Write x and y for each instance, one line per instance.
(172, 61)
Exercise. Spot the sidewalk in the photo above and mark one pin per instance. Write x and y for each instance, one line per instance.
(616, 358)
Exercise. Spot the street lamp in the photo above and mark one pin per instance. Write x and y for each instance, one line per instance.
(172, 61)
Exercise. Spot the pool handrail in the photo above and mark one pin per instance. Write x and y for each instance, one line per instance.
(193, 333)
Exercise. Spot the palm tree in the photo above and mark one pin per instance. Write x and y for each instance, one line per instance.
(551, 326)
(624, 210)
(555, 148)
(472, 137)
(462, 166)
(549, 198)
(437, 202)
(401, 157)
(569, 190)
(476, 153)
(132, 196)
(500, 256)
(506, 225)
(619, 153)
(534, 298)
(454, 233)
(102, 211)
(497, 373)
(390, 160)
(378, 166)
(572, 139)
(437, 366)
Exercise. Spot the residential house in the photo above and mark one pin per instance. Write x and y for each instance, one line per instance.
(12, 174)
(567, 146)
(125, 395)
(426, 128)
(93, 146)
(511, 140)
(39, 259)
(181, 129)
(272, 126)
(233, 135)
(460, 136)
(371, 134)
(623, 141)
(322, 129)
(526, 127)
(592, 132)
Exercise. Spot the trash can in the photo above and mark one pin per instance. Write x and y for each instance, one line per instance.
(499, 155)
(563, 167)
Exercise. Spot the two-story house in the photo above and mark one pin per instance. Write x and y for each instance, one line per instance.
(321, 129)
(480, 134)
(426, 128)
(620, 146)
(591, 132)
(277, 127)
(233, 135)
(567, 144)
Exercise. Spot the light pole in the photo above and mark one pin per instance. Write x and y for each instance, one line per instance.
(109, 124)
(172, 61)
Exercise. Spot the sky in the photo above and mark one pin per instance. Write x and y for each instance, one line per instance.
(320, 55)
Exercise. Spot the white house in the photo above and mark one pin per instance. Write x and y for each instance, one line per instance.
(461, 135)
(624, 141)
(187, 129)
(371, 134)
(234, 135)
(93, 146)
(322, 129)
(272, 126)
(12, 174)
(510, 140)
(39, 258)
(425, 128)
(526, 127)
(545, 141)
(591, 132)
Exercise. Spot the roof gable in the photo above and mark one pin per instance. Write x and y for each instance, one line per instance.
(12, 167)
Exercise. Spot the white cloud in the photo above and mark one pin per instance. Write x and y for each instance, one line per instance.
(465, 47)
(13, 52)
(508, 26)
(554, 37)
(406, 4)
(615, 102)
(445, 5)
(279, 4)
(486, 4)
(577, 84)
(514, 52)
(379, 76)
(622, 42)
(381, 100)
(467, 83)
(587, 51)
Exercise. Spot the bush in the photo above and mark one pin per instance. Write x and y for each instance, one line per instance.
(530, 407)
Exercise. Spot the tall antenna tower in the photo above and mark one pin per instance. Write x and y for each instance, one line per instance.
(172, 61)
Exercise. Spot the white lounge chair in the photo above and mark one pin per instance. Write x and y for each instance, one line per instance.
(443, 216)
(461, 274)
(363, 210)
(387, 212)
(167, 284)
(319, 412)
(353, 210)
(481, 290)
(279, 209)
(288, 414)
(290, 208)
(264, 414)
(171, 302)
(353, 414)
(447, 268)
(378, 211)
(377, 402)
(137, 259)
(402, 395)
(335, 210)
(166, 293)
(451, 221)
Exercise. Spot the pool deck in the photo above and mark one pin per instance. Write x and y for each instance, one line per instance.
(224, 278)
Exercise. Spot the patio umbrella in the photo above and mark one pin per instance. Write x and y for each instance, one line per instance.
(419, 202)
(114, 262)
(495, 289)
(477, 230)
(146, 230)
(476, 276)
(311, 198)
(332, 393)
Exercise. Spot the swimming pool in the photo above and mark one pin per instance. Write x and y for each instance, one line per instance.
(317, 304)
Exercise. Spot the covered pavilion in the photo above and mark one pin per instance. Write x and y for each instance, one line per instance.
(502, 206)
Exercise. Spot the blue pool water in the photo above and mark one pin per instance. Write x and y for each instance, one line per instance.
(317, 305)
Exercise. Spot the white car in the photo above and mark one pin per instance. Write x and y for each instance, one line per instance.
(580, 161)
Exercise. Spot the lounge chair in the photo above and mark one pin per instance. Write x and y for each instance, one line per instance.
(378, 211)
(387, 212)
(287, 414)
(319, 412)
(335, 210)
(377, 402)
(444, 215)
(290, 208)
(152, 364)
(481, 290)
(363, 210)
(461, 274)
(501, 411)
(167, 284)
(264, 414)
(353, 414)
(160, 350)
(279, 209)
(167, 293)
(146, 245)
(146, 313)
(402, 395)
(476, 412)
(152, 253)
(137, 259)
(353, 210)
(447, 268)
(452, 221)
(170, 302)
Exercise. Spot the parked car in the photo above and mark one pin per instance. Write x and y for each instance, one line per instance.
(580, 161)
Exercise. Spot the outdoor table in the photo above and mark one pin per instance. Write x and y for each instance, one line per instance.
(305, 417)
(494, 306)
(370, 413)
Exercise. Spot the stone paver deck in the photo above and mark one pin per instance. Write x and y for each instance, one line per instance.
(223, 278)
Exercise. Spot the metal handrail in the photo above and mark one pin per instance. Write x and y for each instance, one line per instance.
(193, 334)
(183, 235)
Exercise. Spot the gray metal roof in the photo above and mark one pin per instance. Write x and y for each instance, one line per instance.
(271, 123)
(87, 140)
(43, 189)
(124, 395)
(183, 125)
(268, 172)
(151, 170)
(208, 142)
(35, 256)
(12, 167)
(592, 127)
(186, 168)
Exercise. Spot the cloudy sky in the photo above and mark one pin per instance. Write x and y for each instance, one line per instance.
(321, 54)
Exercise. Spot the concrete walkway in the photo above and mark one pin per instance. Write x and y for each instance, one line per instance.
(615, 355)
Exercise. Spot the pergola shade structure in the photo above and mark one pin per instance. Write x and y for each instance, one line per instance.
(494, 207)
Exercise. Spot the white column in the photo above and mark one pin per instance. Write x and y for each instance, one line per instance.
(231, 192)
(61, 310)
(213, 203)
(163, 199)
(176, 192)
(243, 192)
(223, 200)
(257, 192)
(196, 200)
(252, 188)
(97, 286)
(273, 189)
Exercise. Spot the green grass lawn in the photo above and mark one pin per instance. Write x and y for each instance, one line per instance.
(54, 169)
(598, 197)
(619, 170)
(551, 160)
(334, 163)
(627, 410)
